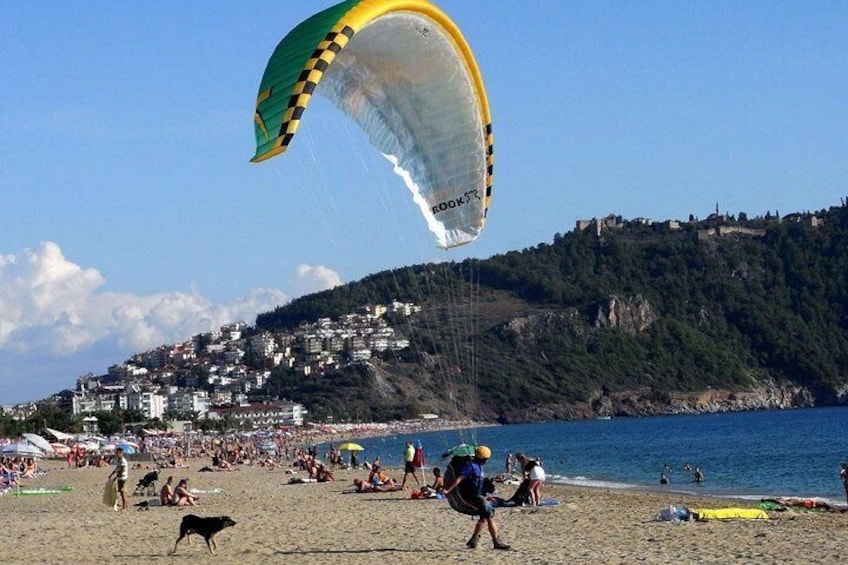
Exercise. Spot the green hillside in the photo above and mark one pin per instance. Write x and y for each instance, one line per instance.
(638, 318)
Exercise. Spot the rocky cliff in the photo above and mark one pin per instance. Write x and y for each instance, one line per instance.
(646, 402)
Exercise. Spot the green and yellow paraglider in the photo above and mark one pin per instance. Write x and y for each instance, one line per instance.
(403, 71)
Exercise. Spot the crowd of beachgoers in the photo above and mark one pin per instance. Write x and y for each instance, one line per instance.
(290, 446)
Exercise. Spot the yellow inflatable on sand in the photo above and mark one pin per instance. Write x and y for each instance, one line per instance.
(706, 514)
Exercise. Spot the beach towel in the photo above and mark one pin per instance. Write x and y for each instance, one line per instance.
(417, 494)
(771, 505)
(43, 490)
(301, 480)
(705, 514)
(110, 493)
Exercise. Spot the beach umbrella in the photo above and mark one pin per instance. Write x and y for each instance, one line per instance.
(128, 449)
(88, 445)
(39, 442)
(350, 446)
(418, 458)
(21, 450)
(60, 448)
(61, 436)
(462, 450)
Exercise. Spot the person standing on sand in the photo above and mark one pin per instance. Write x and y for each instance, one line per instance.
(121, 474)
(843, 474)
(408, 465)
(470, 480)
(536, 474)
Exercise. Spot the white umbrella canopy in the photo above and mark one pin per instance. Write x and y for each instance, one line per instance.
(39, 442)
(61, 436)
(22, 450)
(88, 445)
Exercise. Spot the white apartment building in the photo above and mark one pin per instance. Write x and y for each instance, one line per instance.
(262, 415)
(263, 345)
(151, 404)
(188, 401)
(83, 403)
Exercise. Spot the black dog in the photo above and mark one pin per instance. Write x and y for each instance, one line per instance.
(206, 527)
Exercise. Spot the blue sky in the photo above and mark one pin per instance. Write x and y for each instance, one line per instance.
(131, 216)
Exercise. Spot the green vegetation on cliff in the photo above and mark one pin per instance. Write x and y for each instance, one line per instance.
(551, 331)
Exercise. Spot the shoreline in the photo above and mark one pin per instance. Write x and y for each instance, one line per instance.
(688, 489)
(677, 490)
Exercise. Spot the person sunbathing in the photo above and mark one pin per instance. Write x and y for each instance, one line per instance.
(374, 473)
(28, 469)
(379, 479)
(364, 486)
(438, 486)
(184, 497)
(324, 474)
(808, 503)
(220, 464)
(167, 497)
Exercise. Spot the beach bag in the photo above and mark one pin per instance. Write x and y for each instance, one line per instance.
(675, 514)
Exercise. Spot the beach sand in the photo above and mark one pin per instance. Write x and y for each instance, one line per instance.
(316, 524)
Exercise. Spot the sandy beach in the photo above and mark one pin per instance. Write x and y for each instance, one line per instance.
(316, 523)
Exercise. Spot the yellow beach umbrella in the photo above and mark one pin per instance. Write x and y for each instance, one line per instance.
(350, 446)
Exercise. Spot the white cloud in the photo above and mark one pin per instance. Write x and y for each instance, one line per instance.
(55, 323)
(309, 279)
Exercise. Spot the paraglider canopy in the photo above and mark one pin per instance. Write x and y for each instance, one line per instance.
(461, 450)
(403, 71)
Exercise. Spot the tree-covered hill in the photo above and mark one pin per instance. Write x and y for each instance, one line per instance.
(632, 318)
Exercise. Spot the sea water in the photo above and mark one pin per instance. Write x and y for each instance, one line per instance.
(750, 455)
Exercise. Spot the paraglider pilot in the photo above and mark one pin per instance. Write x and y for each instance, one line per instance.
(469, 481)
